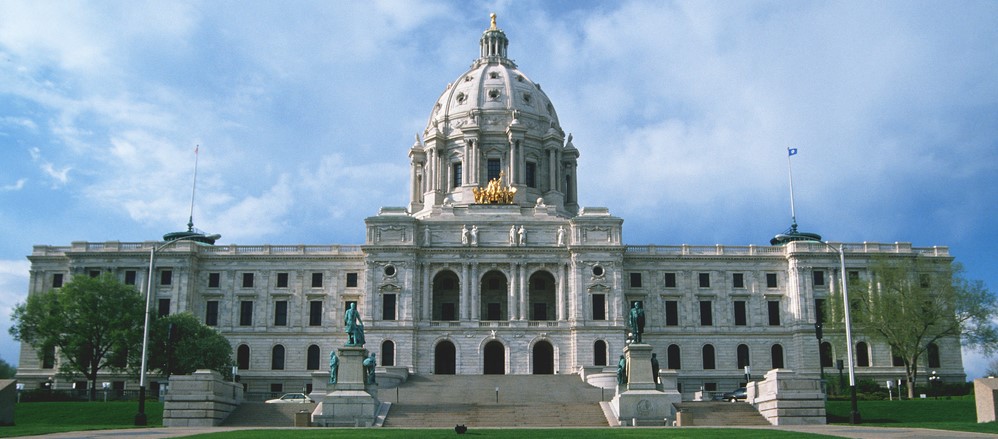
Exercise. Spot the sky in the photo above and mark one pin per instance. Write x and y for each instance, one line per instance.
(682, 111)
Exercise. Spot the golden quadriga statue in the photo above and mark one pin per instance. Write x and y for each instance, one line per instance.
(495, 192)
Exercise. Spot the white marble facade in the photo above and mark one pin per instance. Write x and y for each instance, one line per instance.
(447, 285)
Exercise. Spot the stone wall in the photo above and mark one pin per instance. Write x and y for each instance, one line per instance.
(202, 399)
(985, 394)
(788, 398)
(8, 397)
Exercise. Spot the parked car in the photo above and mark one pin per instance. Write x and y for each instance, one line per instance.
(300, 398)
(734, 395)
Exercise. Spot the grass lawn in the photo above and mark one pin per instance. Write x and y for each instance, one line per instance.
(32, 418)
(518, 433)
(944, 414)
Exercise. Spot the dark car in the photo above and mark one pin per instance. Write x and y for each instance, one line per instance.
(734, 395)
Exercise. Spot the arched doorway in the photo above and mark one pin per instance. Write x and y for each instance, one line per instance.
(494, 296)
(445, 358)
(495, 358)
(543, 358)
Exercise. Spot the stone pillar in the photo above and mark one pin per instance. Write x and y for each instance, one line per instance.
(986, 393)
(427, 294)
(561, 292)
(642, 402)
(476, 294)
(524, 313)
(511, 301)
(465, 293)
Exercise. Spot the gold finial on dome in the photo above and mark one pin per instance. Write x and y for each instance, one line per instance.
(493, 17)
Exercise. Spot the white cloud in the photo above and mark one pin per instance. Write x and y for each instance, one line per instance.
(14, 187)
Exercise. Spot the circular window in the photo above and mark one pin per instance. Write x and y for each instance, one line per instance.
(597, 270)
(461, 97)
(390, 270)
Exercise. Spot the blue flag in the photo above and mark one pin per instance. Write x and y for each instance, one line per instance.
(791, 151)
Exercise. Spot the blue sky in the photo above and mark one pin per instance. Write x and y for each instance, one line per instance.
(682, 111)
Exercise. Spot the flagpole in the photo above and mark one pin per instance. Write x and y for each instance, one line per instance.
(190, 221)
(790, 172)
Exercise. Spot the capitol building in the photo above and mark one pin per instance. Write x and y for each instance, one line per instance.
(494, 267)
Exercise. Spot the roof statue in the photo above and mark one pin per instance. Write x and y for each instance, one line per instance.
(493, 17)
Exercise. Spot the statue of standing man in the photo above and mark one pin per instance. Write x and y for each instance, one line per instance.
(637, 321)
(353, 326)
(622, 371)
(334, 367)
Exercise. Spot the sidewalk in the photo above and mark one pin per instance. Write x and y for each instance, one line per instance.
(848, 431)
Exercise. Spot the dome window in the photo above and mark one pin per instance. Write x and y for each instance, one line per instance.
(494, 93)
(519, 78)
(461, 97)
(468, 78)
(527, 98)
(493, 75)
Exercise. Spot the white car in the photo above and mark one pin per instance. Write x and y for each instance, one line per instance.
(291, 398)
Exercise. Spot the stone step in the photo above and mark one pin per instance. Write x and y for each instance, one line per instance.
(716, 413)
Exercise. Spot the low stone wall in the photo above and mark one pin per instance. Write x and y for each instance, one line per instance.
(787, 398)
(202, 399)
(8, 397)
(986, 394)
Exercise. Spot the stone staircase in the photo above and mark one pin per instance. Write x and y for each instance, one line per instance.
(718, 413)
(524, 400)
(258, 414)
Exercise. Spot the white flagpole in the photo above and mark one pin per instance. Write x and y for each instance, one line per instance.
(790, 171)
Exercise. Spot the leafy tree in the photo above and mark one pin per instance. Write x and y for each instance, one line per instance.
(6, 370)
(92, 321)
(910, 303)
(179, 344)
(992, 368)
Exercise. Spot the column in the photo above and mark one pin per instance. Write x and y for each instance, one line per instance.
(561, 292)
(552, 170)
(465, 287)
(476, 293)
(427, 305)
(524, 312)
(512, 161)
(511, 299)
(465, 163)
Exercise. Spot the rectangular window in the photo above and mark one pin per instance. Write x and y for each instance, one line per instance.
(457, 175)
(166, 277)
(214, 280)
(670, 280)
(704, 279)
(164, 308)
(281, 313)
(774, 313)
(853, 275)
(315, 313)
(738, 280)
(540, 311)
(531, 177)
(94, 273)
(818, 277)
(282, 280)
(706, 313)
(924, 280)
(316, 280)
(57, 280)
(494, 166)
(494, 311)
(388, 307)
(211, 313)
(247, 280)
(599, 307)
(710, 387)
(351, 280)
(276, 388)
(635, 280)
(671, 313)
(741, 318)
(771, 280)
(819, 310)
(130, 277)
(246, 313)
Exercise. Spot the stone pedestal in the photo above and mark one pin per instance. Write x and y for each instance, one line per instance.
(788, 398)
(985, 394)
(349, 402)
(202, 399)
(639, 402)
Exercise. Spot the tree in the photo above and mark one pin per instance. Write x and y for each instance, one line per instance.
(92, 321)
(912, 303)
(179, 344)
(6, 370)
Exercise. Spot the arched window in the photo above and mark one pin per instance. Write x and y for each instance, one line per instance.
(933, 354)
(312, 362)
(242, 357)
(599, 353)
(826, 354)
(708, 356)
(277, 358)
(674, 361)
(743, 356)
(777, 353)
(387, 353)
(862, 354)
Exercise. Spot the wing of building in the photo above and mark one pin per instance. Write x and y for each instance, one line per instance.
(494, 268)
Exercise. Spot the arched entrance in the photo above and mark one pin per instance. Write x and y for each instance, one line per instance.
(543, 358)
(495, 358)
(445, 358)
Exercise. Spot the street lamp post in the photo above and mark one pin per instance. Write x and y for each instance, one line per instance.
(140, 417)
(854, 416)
